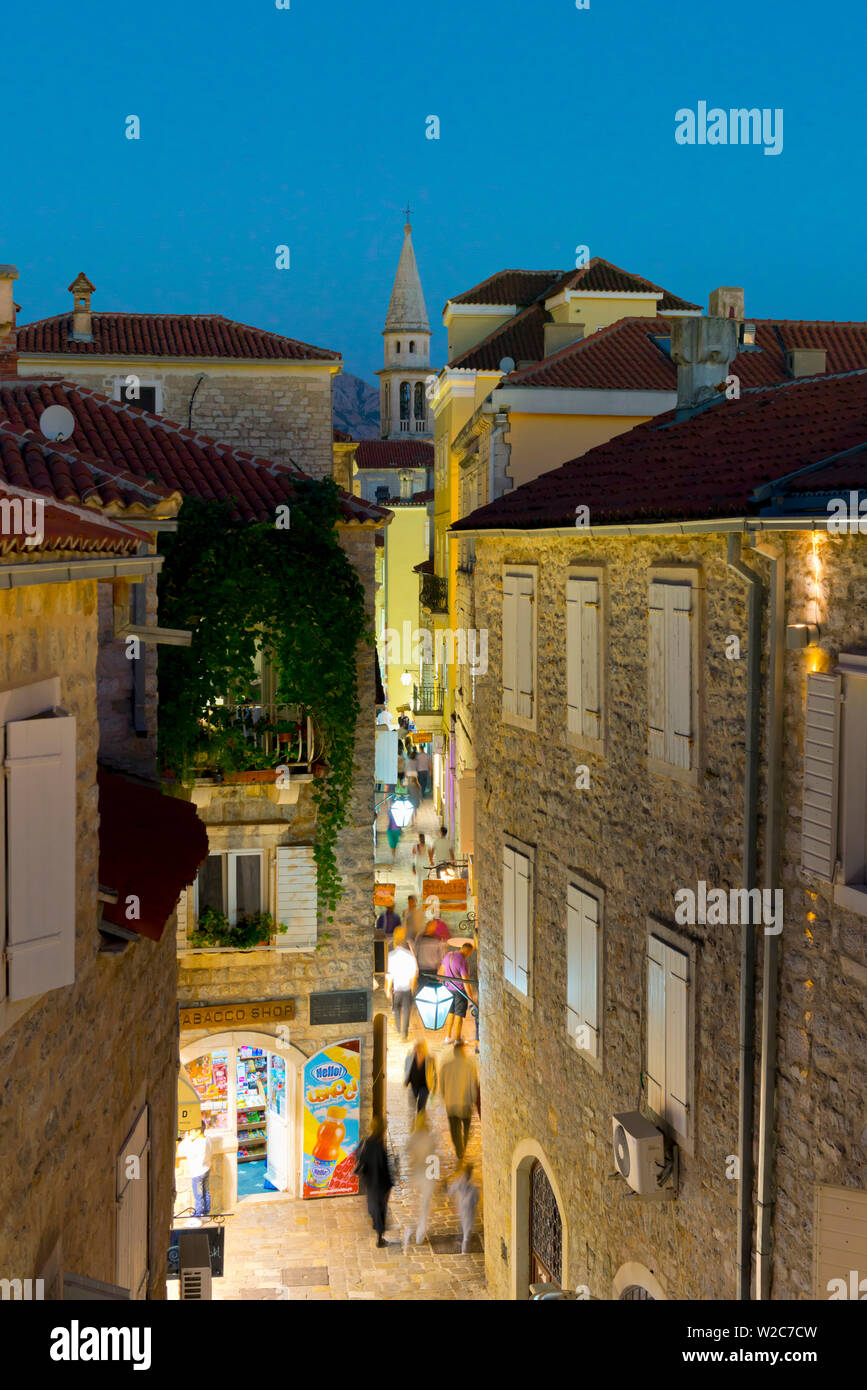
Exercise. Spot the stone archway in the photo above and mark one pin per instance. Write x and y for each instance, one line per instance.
(527, 1154)
(634, 1281)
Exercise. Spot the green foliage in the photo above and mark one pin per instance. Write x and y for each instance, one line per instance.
(243, 587)
(213, 929)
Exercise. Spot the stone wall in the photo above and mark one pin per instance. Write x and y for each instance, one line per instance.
(78, 1064)
(282, 414)
(343, 960)
(639, 836)
(120, 746)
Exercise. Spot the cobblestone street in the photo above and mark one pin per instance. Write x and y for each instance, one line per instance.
(282, 1248)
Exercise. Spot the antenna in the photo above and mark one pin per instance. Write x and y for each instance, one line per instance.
(57, 423)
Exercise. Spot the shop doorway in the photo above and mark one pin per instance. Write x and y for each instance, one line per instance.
(248, 1094)
(380, 1027)
(546, 1230)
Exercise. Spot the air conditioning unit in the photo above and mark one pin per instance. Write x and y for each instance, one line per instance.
(639, 1151)
(194, 1265)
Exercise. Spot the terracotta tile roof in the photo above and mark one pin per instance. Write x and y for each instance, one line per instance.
(63, 527)
(602, 277)
(519, 287)
(150, 847)
(522, 337)
(707, 465)
(426, 496)
(63, 472)
(166, 335)
(116, 448)
(341, 437)
(624, 356)
(426, 567)
(394, 453)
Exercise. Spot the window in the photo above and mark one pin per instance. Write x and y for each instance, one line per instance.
(132, 390)
(517, 914)
(231, 883)
(386, 403)
(670, 1000)
(297, 900)
(397, 347)
(583, 969)
(419, 400)
(834, 814)
(38, 838)
(404, 401)
(411, 346)
(672, 674)
(383, 492)
(519, 646)
(584, 656)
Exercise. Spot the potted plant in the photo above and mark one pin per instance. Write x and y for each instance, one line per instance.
(214, 929)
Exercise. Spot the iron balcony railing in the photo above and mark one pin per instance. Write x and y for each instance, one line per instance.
(280, 730)
(427, 699)
(434, 593)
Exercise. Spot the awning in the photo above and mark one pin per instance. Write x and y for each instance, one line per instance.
(150, 848)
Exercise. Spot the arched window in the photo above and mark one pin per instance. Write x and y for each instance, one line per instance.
(412, 346)
(397, 347)
(386, 400)
(419, 400)
(546, 1230)
(404, 400)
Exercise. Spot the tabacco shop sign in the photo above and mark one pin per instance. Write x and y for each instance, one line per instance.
(238, 1015)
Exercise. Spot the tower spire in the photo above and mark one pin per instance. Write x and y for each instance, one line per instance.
(406, 308)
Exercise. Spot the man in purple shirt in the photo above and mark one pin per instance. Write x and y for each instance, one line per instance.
(455, 967)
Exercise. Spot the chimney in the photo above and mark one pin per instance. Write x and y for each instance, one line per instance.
(82, 327)
(727, 302)
(560, 335)
(806, 361)
(8, 331)
(406, 481)
(703, 349)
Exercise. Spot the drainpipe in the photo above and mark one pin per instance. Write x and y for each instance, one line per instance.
(746, 1086)
(771, 956)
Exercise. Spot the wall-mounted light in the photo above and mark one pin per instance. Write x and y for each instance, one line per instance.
(800, 635)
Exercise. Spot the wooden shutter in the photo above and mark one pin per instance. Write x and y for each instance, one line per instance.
(510, 637)
(183, 914)
(133, 1188)
(656, 663)
(676, 1039)
(524, 647)
(296, 895)
(522, 923)
(509, 914)
(678, 726)
(582, 955)
(840, 1242)
(656, 1024)
(583, 655)
(821, 775)
(670, 674)
(41, 838)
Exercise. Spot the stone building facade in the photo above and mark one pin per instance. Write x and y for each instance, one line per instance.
(632, 837)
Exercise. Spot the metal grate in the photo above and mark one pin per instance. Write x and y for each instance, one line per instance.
(339, 1006)
(634, 1293)
(546, 1228)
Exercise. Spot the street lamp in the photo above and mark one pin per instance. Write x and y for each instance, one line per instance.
(434, 1004)
(402, 812)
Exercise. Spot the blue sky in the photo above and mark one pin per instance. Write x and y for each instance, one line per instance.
(306, 127)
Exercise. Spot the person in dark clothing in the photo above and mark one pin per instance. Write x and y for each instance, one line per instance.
(374, 1171)
(420, 1073)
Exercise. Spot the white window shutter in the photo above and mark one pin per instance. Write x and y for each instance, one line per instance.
(573, 959)
(522, 923)
(821, 775)
(41, 838)
(678, 637)
(573, 656)
(656, 664)
(656, 971)
(676, 1039)
(132, 1200)
(589, 970)
(297, 900)
(509, 914)
(510, 637)
(524, 647)
(591, 703)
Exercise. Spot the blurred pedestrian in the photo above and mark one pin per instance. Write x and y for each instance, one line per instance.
(457, 979)
(388, 921)
(400, 980)
(442, 850)
(420, 1073)
(413, 918)
(424, 1172)
(419, 856)
(429, 952)
(422, 759)
(393, 833)
(465, 1196)
(374, 1172)
(459, 1086)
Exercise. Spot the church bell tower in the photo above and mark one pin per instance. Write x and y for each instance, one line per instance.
(404, 408)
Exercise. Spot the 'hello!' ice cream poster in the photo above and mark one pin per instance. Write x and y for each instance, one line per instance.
(331, 1113)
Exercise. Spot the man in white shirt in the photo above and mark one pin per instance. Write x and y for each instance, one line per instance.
(400, 980)
(197, 1150)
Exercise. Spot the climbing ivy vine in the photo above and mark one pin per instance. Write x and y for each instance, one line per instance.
(291, 593)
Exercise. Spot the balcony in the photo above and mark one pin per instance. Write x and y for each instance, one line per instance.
(256, 737)
(434, 593)
(427, 699)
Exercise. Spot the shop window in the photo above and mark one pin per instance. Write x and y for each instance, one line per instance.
(231, 883)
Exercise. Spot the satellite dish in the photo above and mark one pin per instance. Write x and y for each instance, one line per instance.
(507, 365)
(57, 422)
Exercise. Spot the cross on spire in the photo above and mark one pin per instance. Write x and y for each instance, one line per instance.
(408, 210)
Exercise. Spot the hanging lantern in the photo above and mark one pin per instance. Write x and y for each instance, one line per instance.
(402, 811)
(434, 1004)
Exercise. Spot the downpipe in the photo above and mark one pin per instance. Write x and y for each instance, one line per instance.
(746, 1087)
